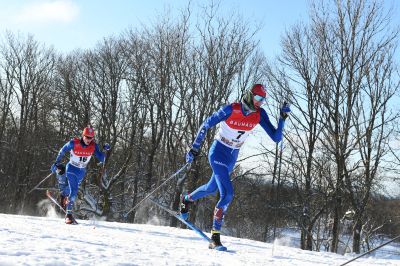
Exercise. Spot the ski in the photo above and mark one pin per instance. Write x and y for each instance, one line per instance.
(53, 199)
(188, 224)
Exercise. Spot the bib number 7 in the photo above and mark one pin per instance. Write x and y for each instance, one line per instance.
(240, 134)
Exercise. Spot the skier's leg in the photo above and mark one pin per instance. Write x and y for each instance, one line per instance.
(222, 164)
(61, 176)
(63, 184)
(211, 186)
(226, 195)
(204, 190)
(74, 176)
(200, 192)
(64, 189)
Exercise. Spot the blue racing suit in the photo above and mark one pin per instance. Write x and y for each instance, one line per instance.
(75, 170)
(235, 126)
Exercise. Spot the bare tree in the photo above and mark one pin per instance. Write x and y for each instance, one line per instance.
(107, 71)
(374, 126)
(28, 69)
(330, 64)
(303, 57)
(352, 42)
(134, 134)
(5, 105)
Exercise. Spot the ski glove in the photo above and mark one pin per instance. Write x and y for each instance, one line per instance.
(191, 155)
(106, 147)
(58, 168)
(285, 110)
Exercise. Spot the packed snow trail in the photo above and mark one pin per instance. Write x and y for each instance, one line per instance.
(27, 240)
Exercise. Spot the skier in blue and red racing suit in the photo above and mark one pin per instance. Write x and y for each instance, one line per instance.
(236, 121)
(70, 176)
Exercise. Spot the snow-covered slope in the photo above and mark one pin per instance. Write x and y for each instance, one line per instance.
(26, 240)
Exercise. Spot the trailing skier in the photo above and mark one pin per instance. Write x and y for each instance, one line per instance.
(70, 176)
(236, 121)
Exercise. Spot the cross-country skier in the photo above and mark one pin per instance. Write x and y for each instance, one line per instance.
(70, 176)
(236, 121)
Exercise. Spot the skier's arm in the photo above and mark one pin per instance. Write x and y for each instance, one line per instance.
(67, 147)
(101, 156)
(222, 114)
(274, 133)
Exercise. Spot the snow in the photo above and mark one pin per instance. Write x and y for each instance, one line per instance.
(31, 240)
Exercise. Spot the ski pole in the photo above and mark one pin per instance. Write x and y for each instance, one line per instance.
(44, 179)
(157, 188)
(101, 178)
(369, 251)
(106, 148)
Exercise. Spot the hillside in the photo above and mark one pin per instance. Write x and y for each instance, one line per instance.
(27, 240)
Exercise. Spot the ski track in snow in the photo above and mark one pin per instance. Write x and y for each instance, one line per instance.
(27, 240)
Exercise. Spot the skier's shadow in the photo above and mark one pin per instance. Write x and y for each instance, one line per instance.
(229, 251)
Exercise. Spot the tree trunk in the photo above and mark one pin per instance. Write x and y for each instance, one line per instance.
(335, 226)
(357, 236)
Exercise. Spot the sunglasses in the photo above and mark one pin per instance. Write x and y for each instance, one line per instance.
(259, 98)
(88, 137)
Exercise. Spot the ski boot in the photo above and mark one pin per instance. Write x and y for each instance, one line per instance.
(216, 241)
(184, 206)
(69, 219)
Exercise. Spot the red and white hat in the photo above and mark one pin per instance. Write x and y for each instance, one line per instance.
(259, 89)
(88, 131)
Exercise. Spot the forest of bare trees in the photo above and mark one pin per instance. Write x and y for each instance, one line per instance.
(147, 91)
